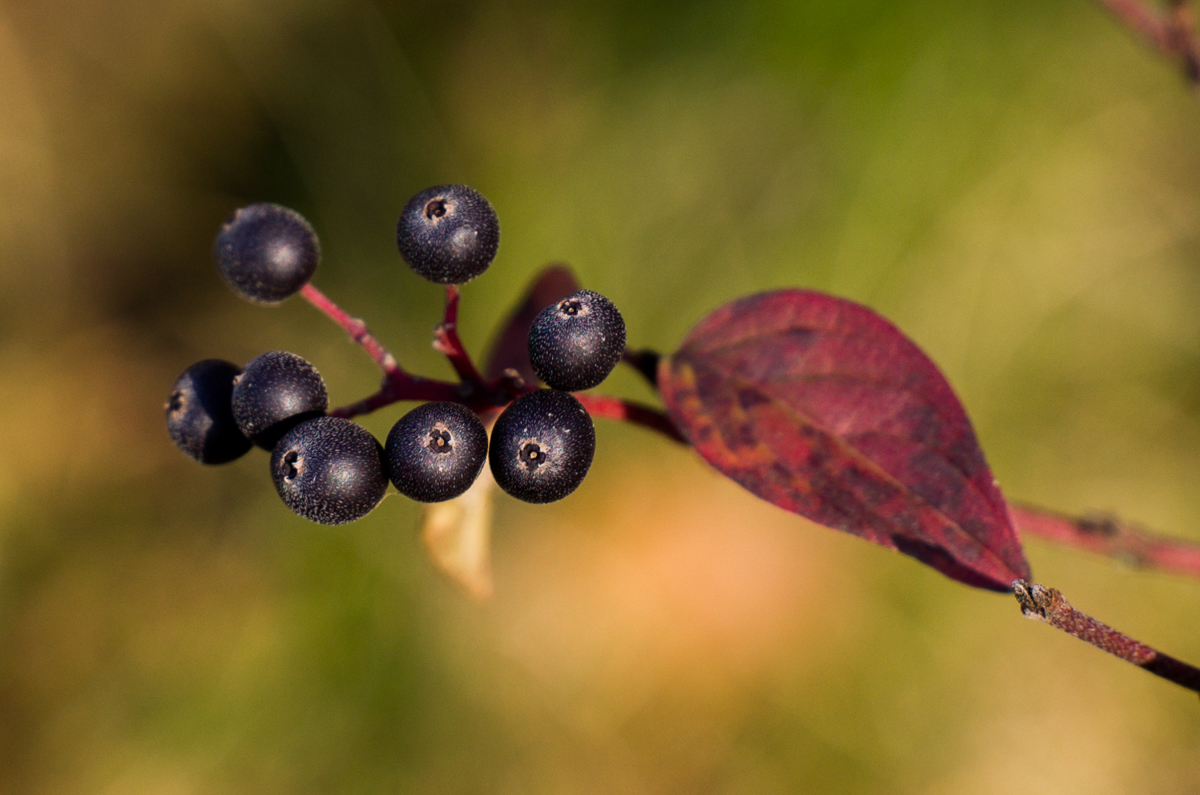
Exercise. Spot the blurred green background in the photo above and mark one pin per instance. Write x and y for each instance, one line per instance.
(1016, 184)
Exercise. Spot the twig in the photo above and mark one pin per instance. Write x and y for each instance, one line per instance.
(1048, 605)
(1108, 535)
(355, 327)
(1173, 33)
(474, 392)
(398, 384)
(1148, 23)
(1183, 32)
(628, 411)
(406, 388)
(446, 341)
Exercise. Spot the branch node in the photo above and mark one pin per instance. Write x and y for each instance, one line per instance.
(512, 380)
(1037, 601)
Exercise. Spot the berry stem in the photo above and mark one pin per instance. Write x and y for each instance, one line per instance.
(1048, 605)
(474, 392)
(356, 328)
(405, 387)
(398, 384)
(1108, 535)
(447, 342)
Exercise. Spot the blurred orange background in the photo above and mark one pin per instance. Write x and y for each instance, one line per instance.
(1017, 185)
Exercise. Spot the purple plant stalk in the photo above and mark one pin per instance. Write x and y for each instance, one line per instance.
(473, 390)
(1108, 535)
(1172, 32)
(447, 342)
(1049, 606)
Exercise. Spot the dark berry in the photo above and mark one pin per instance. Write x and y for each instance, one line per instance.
(329, 470)
(436, 451)
(577, 342)
(277, 391)
(448, 234)
(199, 417)
(267, 252)
(542, 446)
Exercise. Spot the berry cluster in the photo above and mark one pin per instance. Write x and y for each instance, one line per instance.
(329, 469)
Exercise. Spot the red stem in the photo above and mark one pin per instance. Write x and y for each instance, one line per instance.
(1173, 33)
(406, 388)
(473, 391)
(1107, 535)
(355, 327)
(447, 342)
(628, 411)
(1140, 19)
(1049, 605)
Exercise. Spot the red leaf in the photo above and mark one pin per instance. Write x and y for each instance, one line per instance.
(822, 407)
(511, 347)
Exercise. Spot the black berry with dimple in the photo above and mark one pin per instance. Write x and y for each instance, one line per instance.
(448, 234)
(436, 451)
(542, 446)
(577, 342)
(267, 252)
(277, 391)
(329, 470)
(199, 418)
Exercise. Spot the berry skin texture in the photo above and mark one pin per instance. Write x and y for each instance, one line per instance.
(277, 391)
(542, 446)
(448, 234)
(436, 451)
(329, 470)
(576, 343)
(266, 252)
(199, 418)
